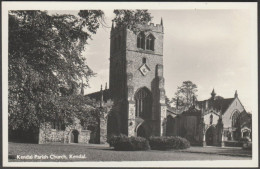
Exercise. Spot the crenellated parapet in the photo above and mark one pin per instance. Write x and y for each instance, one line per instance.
(143, 27)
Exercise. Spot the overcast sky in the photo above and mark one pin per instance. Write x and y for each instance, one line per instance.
(212, 48)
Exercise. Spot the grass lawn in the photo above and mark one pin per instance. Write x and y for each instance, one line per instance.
(92, 152)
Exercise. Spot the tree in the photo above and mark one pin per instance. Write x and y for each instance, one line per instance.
(131, 18)
(167, 102)
(46, 67)
(185, 95)
(44, 57)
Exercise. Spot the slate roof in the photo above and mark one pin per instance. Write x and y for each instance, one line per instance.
(219, 105)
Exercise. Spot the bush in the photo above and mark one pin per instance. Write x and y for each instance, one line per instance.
(244, 139)
(164, 143)
(114, 138)
(247, 146)
(125, 143)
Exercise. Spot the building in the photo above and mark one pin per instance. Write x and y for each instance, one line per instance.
(212, 122)
(136, 81)
(136, 87)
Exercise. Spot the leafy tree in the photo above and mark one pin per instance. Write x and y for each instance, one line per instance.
(168, 102)
(131, 18)
(46, 67)
(45, 62)
(185, 95)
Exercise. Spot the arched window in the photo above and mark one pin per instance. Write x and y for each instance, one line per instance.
(235, 119)
(143, 103)
(141, 40)
(150, 42)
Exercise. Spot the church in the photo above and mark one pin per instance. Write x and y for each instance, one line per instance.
(212, 122)
(136, 88)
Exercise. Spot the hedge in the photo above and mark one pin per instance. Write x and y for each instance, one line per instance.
(233, 143)
(113, 139)
(125, 143)
(172, 142)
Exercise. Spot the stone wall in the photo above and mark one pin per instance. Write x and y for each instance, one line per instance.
(49, 135)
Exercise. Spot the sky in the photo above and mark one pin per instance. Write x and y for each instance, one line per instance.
(211, 48)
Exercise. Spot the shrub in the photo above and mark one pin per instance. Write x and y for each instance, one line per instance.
(244, 139)
(114, 138)
(164, 143)
(125, 143)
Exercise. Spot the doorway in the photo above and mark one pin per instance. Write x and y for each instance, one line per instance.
(210, 136)
(141, 131)
(74, 136)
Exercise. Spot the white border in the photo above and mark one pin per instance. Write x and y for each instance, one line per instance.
(252, 6)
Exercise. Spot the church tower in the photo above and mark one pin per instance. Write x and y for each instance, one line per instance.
(136, 80)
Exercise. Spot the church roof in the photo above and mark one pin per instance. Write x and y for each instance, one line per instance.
(219, 104)
(192, 111)
(97, 95)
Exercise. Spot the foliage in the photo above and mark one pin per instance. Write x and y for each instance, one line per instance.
(168, 102)
(46, 66)
(244, 139)
(185, 95)
(125, 143)
(131, 18)
(113, 139)
(163, 143)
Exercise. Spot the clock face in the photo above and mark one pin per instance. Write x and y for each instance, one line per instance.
(144, 69)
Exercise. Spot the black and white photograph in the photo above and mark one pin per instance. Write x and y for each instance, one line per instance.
(129, 84)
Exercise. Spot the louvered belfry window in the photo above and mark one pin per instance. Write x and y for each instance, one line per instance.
(150, 42)
(141, 40)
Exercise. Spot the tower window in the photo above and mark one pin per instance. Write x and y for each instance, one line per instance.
(141, 40)
(144, 60)
(150, 42)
